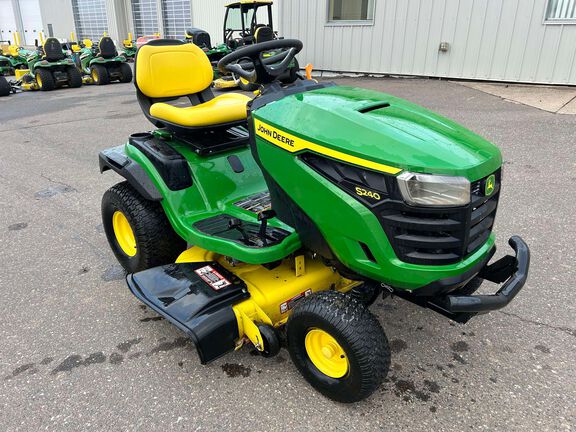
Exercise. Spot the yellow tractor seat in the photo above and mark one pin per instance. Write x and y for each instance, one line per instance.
(167, 70)
(226, 108)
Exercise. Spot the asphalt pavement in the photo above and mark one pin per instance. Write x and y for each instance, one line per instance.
(79, 352)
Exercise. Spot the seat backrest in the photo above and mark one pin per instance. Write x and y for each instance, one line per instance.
(263, 34)
(106, 48)
(198, 37)
(53, 50)
(167, 68)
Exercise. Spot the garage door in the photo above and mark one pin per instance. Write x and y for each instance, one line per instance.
(31, 21)
(7, 22)
(90, 18)
(176, 18)
(145, 16)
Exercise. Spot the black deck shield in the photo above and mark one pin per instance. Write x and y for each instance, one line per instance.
(197, 298)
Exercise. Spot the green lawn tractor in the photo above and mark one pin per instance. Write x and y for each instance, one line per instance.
(276, 221)
(15, 54)
(12, 59)
(245, 22)
(103, 64)
(6, 67)
(49, 68)
(129, 48)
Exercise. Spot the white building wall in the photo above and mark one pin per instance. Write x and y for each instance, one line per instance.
(59, 14)
(489, 40)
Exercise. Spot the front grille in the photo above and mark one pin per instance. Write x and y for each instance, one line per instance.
(418, 235)
(440, 236)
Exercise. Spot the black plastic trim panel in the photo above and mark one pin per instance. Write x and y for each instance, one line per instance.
(114, 159)
(171, 165)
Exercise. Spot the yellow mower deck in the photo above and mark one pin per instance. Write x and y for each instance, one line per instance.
(273, 292)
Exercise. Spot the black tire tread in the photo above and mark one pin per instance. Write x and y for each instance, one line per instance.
(103, 77)
(359, 327)
(125, 73)
(74, 77)
(158, 243)
(47, 78)
(5, 87)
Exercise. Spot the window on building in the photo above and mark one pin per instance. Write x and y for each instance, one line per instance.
(145, 17)
(350, 10)
(561, 11)
(176, 18)
(90, 18)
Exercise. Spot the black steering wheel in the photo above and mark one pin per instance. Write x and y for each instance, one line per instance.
(256, 68)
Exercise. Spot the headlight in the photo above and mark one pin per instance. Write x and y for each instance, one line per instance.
(434, 190)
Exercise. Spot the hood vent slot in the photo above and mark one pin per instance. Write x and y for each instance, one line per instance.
(373, 107)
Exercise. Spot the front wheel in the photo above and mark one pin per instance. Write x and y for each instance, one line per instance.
(138, 231)
(338, 346)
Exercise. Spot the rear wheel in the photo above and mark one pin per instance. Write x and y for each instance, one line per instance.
(138, 231)
(99, 74)
(5, 88)
(45, 80)
(74, 77)
(125, 73)
(338, 346)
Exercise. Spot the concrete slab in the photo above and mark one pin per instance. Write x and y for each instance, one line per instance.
(548, 98)
(569, 108)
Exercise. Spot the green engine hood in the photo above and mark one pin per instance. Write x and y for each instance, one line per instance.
(385, 129)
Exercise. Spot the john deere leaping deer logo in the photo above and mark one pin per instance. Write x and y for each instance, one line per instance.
(489, 185)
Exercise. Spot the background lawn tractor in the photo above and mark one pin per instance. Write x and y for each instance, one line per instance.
(245, 22)
(6, 67)
(49, 68)
(16, 56)
(129, 48)
(303, 205)
(103, 64)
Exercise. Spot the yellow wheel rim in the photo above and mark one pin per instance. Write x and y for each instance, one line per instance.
(124, 234)
(94, 75)
(39, 80)
(326, 353)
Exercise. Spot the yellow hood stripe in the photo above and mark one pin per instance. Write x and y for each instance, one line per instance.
(295, 144)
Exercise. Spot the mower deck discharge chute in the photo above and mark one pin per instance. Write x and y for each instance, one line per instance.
(303, 206)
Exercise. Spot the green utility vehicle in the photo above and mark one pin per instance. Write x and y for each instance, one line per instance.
(245, 22)
(303, 206)
(103, 64)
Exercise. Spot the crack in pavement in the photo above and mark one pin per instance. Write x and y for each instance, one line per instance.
(58, 182)
(567, 330)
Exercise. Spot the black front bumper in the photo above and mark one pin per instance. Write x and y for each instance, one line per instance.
(511, 271)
